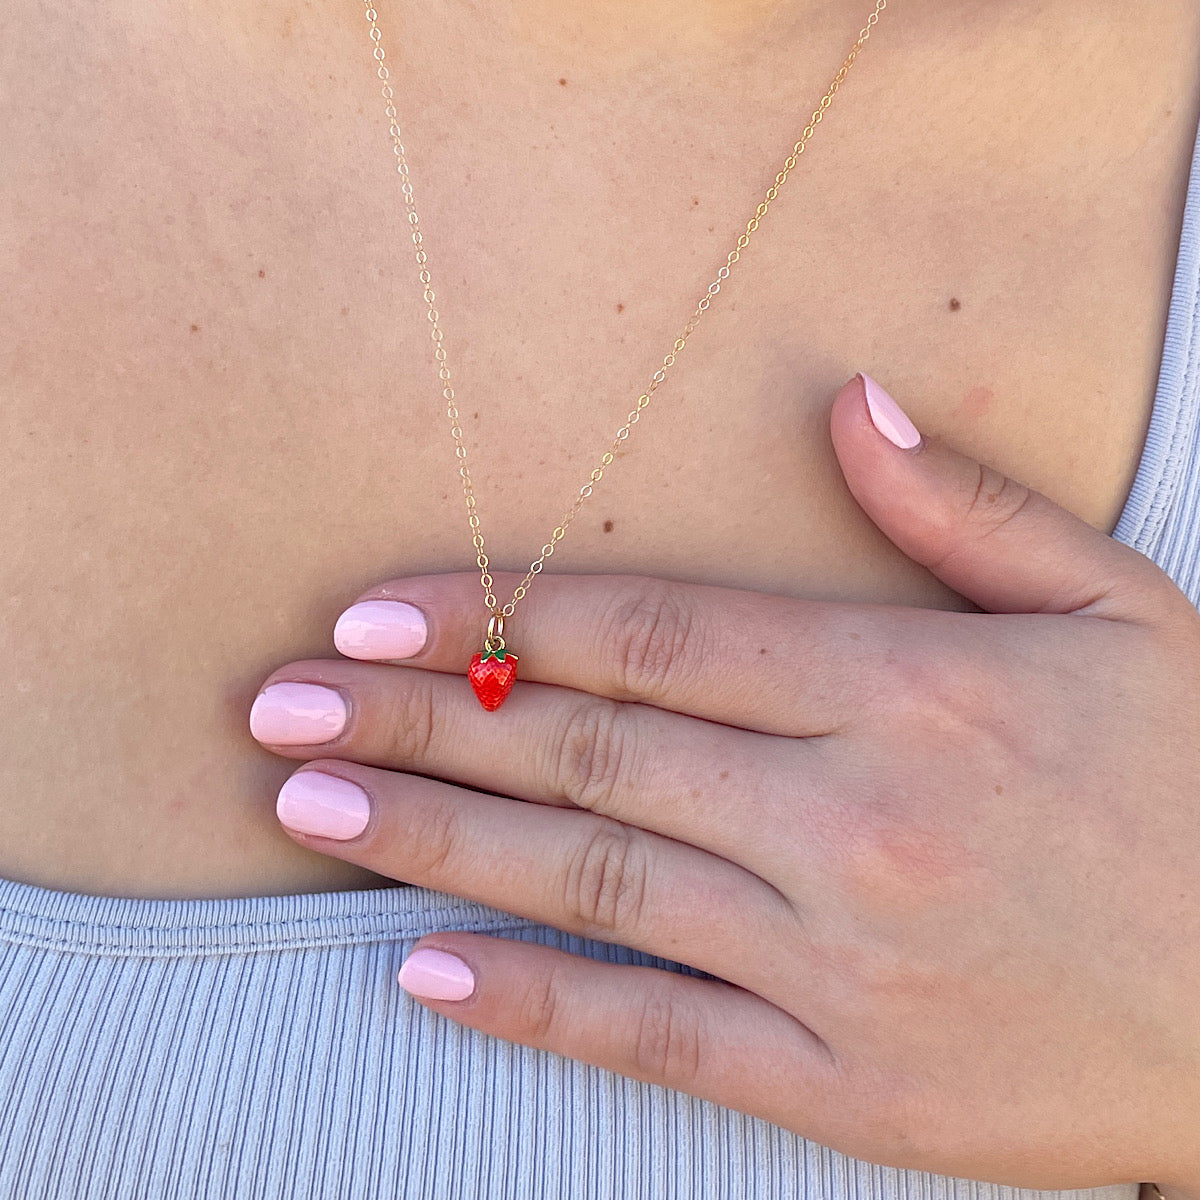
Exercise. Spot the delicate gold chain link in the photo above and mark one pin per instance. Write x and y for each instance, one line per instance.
(643, 400)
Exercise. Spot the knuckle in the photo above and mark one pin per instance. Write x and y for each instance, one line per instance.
(592, 753)
(998, 499)
(652, 639)
(900, 858)
(995, 501)
(605, 881)
(666, 1042)
(945, 696)
(430, 846)
(538, 1010)
(410, 718)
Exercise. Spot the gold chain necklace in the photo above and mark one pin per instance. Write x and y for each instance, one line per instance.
(493, 670)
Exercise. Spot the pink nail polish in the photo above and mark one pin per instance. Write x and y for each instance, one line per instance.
(887, 416)
(436, 975)
(380, 629)
(325, 805)
(297, 714)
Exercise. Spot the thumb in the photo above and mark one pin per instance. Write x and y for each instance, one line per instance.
(995, 541)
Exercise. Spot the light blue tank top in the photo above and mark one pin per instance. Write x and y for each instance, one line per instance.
(238, 1049)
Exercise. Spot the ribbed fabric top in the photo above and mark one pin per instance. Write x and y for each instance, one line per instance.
(260, 1046)
(1161, 517)
(86, 924)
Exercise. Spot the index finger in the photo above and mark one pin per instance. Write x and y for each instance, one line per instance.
(769, 663)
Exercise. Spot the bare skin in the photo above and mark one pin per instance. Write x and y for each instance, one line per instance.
(221, 419)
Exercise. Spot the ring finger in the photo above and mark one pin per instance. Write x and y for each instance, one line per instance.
(578, 871)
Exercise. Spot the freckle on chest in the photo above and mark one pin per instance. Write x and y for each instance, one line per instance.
(976, 402)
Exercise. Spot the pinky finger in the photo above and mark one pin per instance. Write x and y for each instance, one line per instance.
(701, 1036)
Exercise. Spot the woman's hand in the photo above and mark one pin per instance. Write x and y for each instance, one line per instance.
(942, 865)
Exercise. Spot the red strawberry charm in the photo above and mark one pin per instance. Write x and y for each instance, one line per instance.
(492, 675)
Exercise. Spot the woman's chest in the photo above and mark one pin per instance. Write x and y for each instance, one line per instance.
(223, 409)
(221, 348)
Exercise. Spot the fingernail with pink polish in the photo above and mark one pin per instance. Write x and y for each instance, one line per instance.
(380, 629)
(887, 416)
(436, 975)
(297, 714)
(325, 805)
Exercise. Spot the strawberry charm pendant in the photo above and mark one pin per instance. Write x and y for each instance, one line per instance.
(493, 671)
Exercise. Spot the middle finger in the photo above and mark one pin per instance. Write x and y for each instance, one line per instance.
(730, 791)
